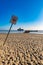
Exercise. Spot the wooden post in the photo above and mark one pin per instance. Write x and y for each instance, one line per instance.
(13, 21)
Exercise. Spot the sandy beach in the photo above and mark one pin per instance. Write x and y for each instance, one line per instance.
(21, 49)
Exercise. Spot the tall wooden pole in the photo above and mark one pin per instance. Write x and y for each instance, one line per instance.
(7, 34)
(13, 21)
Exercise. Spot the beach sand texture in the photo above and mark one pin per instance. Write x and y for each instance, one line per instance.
(21, 49)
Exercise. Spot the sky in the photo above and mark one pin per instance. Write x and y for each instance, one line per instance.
(29, 13)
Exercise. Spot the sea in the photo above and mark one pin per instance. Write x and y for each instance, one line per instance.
(15, 31)
(12, 31)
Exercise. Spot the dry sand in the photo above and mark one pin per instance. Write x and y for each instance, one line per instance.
(21, 49)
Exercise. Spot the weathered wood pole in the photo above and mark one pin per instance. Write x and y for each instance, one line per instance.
(13, 21)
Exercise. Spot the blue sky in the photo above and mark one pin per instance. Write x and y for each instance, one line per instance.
(29, 12)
